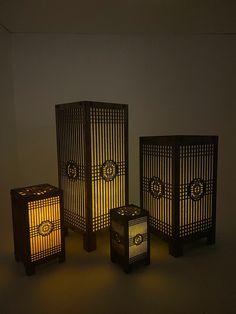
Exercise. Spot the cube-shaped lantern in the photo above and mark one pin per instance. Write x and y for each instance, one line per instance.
(37, 213)
(92, 140)
(178, 187)
(129, 236)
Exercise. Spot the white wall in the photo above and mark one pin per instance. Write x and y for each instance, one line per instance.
(173, 85)
(8, 158)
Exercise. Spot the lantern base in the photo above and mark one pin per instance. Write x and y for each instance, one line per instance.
(147, 261)
(61, 258)
(89, 241)
(65, 231)
(175, 249)
(113, 260)
(29, 269)
(127, 269)
(17, 259)
(211, 238)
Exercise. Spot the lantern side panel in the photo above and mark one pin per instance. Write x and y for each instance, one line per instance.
(156, 186)
(71, 163)
(118, 237)
(44, 228)
(138, 239)
(196, 188)
(108, 162)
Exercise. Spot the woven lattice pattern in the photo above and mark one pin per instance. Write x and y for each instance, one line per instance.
(108, 163)
(71, 163)
(196, 188)
(157, 167)
(45, 212)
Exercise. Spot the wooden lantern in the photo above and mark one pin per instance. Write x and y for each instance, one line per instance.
(37, 225)
(178, 187)
(129, 236)
(92, 141)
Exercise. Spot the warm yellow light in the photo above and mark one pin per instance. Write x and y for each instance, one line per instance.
(44, 227)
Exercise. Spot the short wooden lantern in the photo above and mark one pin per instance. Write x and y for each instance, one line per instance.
(37, 225)
(129, 236)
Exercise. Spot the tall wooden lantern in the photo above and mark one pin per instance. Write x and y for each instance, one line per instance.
(37, 225)
(92, 141)
(178, 187)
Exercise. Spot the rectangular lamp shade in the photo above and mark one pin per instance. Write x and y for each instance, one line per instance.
(92, 141)
(129, 236)
(178, 187)
(37, 225)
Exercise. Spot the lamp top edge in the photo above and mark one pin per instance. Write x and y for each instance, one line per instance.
(179, 139)
(90, 103)
(39, 190)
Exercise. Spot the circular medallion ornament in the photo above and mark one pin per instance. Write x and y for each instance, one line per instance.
(71, 169)
(156, 187)
(109, 170)
(45, 228)
(197, 189)
(138, 239)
